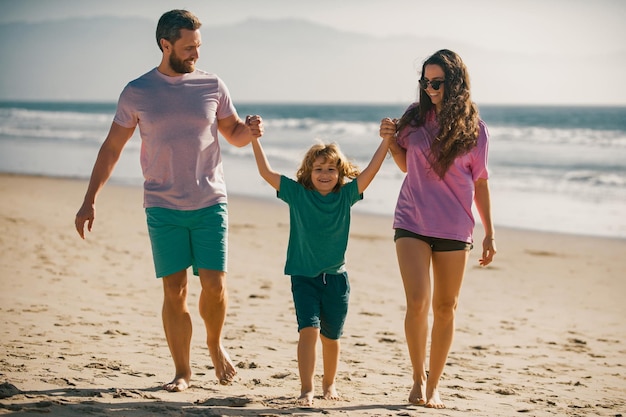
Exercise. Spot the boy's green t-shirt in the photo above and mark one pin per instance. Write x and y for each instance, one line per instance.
(319, 227)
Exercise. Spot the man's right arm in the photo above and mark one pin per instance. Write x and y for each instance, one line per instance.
(108, 156)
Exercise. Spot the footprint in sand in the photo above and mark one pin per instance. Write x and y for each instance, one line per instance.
(226, 402)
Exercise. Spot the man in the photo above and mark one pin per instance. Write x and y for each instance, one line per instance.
(179, 110)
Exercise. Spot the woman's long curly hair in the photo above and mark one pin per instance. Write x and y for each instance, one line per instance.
(331, 154)
(458, 118)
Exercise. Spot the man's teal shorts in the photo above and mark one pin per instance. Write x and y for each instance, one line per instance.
(180, 239)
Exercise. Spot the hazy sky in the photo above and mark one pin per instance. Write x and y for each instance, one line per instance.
(574, 26)
(579, 29)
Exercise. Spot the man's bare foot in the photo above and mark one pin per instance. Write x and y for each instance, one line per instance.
(224, 368)
(330, 392)
(434, 401)
(305, 399)
(177, 385)
(417, 396)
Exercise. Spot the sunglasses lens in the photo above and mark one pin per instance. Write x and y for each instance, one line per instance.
(434, 84)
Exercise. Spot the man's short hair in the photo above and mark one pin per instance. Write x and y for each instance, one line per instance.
(172, 22)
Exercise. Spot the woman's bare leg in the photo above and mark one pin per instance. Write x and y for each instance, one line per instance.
(414, 261)
(448, 272)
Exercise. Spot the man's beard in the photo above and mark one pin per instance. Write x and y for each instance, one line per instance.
(179, 66)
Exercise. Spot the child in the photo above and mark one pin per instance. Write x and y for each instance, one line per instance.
(319, 207)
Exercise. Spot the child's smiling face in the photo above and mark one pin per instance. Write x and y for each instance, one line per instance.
(324, 175)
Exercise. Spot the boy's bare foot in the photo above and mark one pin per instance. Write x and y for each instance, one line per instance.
(417, 396)
(330, 392)
(434, 401)
(305, 399)
(224, 368)
(177, 385)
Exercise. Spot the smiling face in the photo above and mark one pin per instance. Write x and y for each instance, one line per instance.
(184, 52)
(324, 175)
(435, 73)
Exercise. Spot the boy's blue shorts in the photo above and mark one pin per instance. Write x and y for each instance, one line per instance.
(321, 302)
(181, 238)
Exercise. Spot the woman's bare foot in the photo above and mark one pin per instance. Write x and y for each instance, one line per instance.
(434, 401)
(417, 396)
(177, 385)
(224, 368)
(305, 399)
(330, 392)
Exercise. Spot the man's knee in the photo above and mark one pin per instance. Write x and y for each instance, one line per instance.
(175, 285)
(213, 282)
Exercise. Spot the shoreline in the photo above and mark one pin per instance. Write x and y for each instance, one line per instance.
(540, 331)
(272, 200)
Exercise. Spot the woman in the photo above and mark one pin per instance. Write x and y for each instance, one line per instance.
(442, 146)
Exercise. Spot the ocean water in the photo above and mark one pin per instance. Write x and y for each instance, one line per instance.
(558, 169)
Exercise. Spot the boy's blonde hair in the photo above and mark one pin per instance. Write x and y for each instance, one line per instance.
(332, 154)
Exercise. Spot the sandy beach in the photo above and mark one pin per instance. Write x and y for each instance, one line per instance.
(540, 332)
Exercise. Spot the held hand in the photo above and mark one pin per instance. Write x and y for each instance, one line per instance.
(489, 250)
(388, 128)
(255, 124)
(86, 213)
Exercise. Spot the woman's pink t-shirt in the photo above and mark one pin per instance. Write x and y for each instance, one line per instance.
(435, 207)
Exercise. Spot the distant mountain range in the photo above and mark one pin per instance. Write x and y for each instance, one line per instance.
(260, 60)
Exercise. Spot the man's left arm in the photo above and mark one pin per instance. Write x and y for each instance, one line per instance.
(239, 133)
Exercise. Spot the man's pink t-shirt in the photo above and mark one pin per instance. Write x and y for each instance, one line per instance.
(180, 152)
(435, 207)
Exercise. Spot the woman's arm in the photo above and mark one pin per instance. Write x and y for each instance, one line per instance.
(482, 199)
(388, 129)
(398, 154)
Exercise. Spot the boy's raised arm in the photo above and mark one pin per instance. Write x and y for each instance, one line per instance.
(272, 177)
(368, 174)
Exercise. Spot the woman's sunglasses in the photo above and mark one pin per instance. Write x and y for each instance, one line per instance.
(434, 84)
